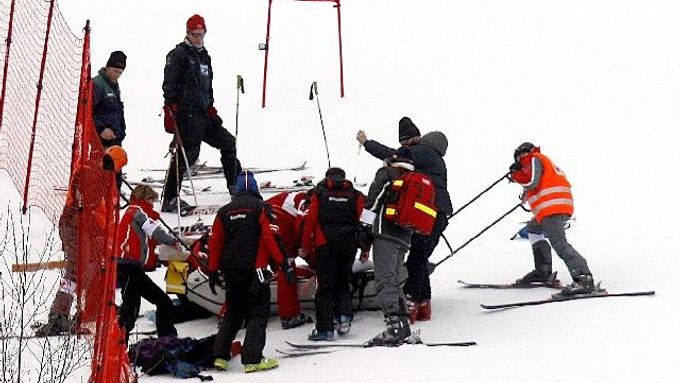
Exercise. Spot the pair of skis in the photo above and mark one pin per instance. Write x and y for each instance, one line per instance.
(201, 171)
(303, 349)
(554, 284)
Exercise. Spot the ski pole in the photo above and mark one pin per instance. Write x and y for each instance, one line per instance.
(314, 91)
(477, 196)
(356, 169)
(478, 234)
(239, 87)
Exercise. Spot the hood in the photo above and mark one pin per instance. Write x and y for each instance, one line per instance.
(437, 141)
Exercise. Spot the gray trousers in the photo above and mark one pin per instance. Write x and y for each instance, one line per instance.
(552, 227)
(388, 268)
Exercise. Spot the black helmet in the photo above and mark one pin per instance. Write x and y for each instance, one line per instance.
(525, 148)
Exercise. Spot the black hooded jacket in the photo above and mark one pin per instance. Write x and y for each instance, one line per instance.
(188, 76)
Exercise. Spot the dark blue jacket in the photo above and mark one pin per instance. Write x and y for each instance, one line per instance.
(107, 108)
(188, 77)
(425, 159)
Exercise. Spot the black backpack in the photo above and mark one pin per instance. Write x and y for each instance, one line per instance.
(180, 357)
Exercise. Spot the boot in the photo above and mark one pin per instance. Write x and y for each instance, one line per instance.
(395, 334)
(344, 324)
(221, 364)
(412, 307)
(424, 310)
(582, 284)
(170, 205)
(265, 364)
(296, 321)
(540, 276)
(317, 335)
(56, 324)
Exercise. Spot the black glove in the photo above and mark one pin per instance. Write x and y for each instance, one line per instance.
(288, 269)
(365, 237)
(213, 279)
(515, 167)
(264, 276)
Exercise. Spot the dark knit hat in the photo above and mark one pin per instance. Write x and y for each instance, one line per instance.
(407, 129)
(117, 60)
(246, 182)
(196, 22)
(335, 173)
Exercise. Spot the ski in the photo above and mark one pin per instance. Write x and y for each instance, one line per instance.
(200, 170)
(560, 298)
(368, 344)
(302, 352)
(553, 283)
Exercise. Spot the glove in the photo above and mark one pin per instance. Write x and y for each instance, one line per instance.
(264, 276)
(288, 268)
(212, 281)
(365, 237)
(169, 122)
(515, 167)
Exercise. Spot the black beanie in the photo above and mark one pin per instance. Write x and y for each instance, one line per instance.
(407, 129)
(117, 60)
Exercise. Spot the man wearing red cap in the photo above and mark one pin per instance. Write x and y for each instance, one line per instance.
(190, 113)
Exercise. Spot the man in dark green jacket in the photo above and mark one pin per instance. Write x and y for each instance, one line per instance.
(107, 109)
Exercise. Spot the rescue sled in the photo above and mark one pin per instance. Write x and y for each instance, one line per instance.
(185, 278)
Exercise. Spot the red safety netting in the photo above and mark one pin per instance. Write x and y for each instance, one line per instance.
(38, 110)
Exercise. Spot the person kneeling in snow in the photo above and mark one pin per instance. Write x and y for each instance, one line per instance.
(241, 245)
(138, 235)
(290, 209)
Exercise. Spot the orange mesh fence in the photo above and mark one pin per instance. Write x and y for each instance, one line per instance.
(40, 99)
(49, 147)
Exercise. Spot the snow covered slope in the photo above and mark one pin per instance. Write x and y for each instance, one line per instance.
(594, 83)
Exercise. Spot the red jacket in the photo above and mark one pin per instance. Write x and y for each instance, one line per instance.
(135, 239)
(290, 218)
(313, 235)
(267, 245)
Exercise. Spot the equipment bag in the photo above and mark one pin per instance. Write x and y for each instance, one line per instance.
(176, 276)
(412, 203)
(179, 357)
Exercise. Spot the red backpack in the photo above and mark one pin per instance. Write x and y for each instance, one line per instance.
(413, 205)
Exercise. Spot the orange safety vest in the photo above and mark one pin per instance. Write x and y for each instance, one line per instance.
(553, 194)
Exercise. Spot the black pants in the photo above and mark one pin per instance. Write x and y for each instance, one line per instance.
(195, 128)
(135, 285)
(418, 282)
(333, 275)
(247, 299)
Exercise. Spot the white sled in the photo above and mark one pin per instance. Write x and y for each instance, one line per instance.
(363, 292)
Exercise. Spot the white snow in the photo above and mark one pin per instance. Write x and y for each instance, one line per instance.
(594, 83)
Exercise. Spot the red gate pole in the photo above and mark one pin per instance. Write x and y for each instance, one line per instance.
(4, 71)
(37, 106)
(342, 80)
(266, 54)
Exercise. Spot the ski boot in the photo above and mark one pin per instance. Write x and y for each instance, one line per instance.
(343, 325)
(537, 276)
(424, 310)
(265, 364)
(317, 335)
(56, 324)
(396, 333)
(221, 364)
(170, 206)
(412, 308)
(296, 321)
(582, 284)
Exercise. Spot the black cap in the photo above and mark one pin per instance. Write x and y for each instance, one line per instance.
(117, 60)
(407, 129)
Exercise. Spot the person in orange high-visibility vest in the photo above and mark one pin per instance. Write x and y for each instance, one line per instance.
(548, 193)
